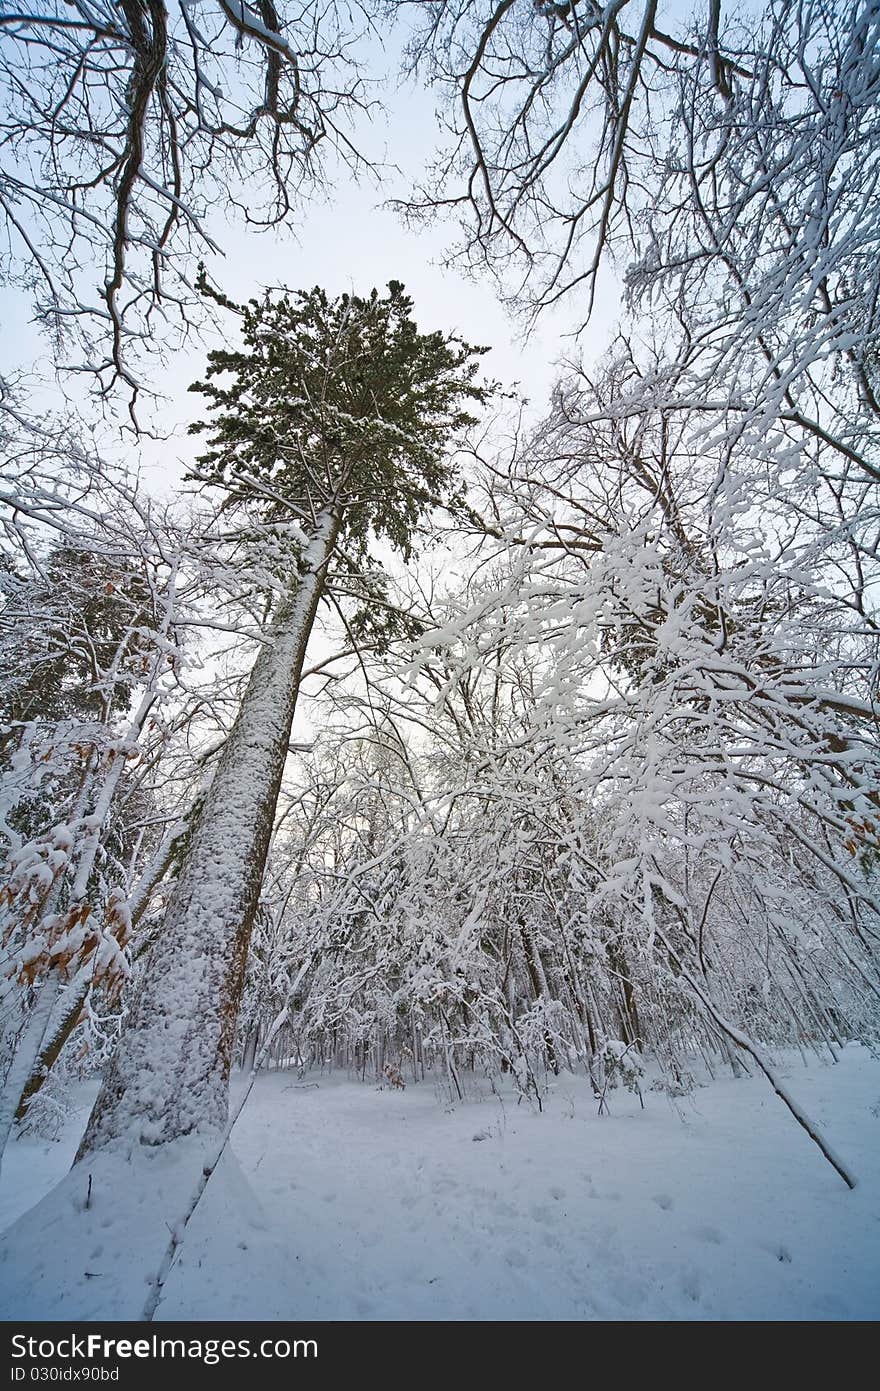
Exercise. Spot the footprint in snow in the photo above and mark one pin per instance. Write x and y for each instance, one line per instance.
(663, 1200)
(515, 1257)
(777, 1250)
(709, 1234)
(690, 1285)
(603, 1231)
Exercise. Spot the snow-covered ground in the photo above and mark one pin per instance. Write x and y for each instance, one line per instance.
(343, 1201)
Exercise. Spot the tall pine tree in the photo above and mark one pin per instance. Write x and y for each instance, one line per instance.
(333, 428)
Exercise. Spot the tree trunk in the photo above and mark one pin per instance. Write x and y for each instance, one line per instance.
(538, 977)
(170, 1074)
(26, 1053)
(68, 1009)
(69, 1006)
(627, 1007)
(250, 1049)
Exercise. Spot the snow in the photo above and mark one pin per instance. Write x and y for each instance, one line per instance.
(180, 1022)
(340, 1200)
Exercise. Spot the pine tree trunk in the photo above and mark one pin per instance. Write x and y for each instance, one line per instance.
(170, 1074)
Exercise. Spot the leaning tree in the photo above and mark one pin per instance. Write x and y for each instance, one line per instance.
(333, 431)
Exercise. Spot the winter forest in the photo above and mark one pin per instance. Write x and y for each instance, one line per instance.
(404, 746)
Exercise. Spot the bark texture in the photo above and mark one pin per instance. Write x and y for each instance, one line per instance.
(170, 1074)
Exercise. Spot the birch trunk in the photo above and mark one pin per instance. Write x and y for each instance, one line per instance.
(170, 1073)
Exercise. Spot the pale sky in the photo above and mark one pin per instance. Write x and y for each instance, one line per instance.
(346, 242)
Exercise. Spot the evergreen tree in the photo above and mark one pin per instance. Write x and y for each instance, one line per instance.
(335, 429)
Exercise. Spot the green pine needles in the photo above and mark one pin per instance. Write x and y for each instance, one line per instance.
(338, 402)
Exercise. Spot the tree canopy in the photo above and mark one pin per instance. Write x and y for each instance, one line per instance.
(607, 784)
(339, 401)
